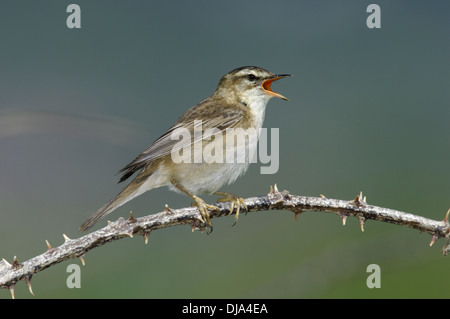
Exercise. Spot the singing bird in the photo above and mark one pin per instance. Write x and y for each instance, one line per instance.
(239, 102)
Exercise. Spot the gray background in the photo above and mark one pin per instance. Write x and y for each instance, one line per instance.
(368, 110)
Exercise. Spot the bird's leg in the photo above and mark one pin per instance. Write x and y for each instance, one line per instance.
(234, 201)
(203, 207)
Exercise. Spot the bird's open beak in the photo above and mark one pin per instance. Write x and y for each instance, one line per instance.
(266, 86)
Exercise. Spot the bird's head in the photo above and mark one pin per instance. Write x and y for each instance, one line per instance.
(249, 84)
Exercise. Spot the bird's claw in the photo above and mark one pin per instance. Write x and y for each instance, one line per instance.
(235, 202)
(204, 209)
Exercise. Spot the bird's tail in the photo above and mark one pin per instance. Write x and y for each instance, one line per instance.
(126, 194)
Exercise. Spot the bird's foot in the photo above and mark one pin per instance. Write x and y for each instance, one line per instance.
(235, 202)
(204, 209)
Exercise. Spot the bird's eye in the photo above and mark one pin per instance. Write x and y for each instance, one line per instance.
(251, 77)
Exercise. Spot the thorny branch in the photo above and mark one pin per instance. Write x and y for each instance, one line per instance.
(10, 274)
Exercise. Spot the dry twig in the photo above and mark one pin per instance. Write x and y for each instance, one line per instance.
(10, 274)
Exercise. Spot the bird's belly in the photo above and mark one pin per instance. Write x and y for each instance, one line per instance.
(206, 178)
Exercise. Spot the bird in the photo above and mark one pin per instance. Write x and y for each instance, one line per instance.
(238, 102)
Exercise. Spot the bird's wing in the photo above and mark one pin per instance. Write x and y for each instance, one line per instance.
(219, 118)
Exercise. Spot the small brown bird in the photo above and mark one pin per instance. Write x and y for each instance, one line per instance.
(239, 102)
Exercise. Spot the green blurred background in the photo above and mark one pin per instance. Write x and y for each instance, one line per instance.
(369, 110)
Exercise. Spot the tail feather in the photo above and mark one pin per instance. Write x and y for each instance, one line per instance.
(91, 221)
(126, 194)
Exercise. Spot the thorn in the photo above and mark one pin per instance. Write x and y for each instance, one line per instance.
(11, 290)
(131, 219)
(82, 260)
(16, 264)
(344, 218)
(274, 189)
(361, 222)
(28, 280)
(433, 239)
(145, 234)
(360, 200)
(128, 233)
(66, 239)
(199, 218)
(446, 216)
(297, 212)
(167, 209)
(275, 195)
(197, 224)
(48, 245)
(446, 248)
(6, 262)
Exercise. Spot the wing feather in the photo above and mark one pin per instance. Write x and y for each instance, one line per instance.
(219, 118)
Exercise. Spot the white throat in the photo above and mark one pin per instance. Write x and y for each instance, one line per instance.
(257, 102)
